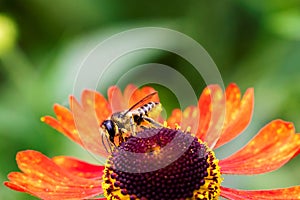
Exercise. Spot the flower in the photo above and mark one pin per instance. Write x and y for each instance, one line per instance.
(194, 173)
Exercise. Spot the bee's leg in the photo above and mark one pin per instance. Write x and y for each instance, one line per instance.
(132, 126)
(143, 127)
(122, 135)
(153, 122)
(121, 140)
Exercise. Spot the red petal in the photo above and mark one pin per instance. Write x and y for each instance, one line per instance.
(279, 194)
(271, 148)
(297, 153)
(43, 178)
(238, 113)
(78, 167)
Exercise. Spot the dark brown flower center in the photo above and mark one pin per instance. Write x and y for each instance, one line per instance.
(158, 164)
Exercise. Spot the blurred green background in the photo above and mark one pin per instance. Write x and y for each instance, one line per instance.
(254, 43)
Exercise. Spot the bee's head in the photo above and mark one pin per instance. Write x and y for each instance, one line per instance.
(110, 128)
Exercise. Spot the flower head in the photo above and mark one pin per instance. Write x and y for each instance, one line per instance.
(159, 163)
(162, 164)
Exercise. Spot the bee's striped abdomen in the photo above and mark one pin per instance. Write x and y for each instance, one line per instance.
(143, 110)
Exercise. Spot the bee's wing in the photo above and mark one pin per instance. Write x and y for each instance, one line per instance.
(140, 102)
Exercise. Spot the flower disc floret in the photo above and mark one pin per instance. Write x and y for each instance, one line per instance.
(162, 164)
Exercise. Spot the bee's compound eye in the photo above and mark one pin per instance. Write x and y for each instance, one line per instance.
(109, 125)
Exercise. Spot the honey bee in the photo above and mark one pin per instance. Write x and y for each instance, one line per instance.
(120, 125)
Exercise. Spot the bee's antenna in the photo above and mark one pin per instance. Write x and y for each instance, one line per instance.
(107, 142)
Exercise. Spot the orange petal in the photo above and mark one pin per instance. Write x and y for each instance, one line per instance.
(276, 194)
(139, 94)
(116, 99)
(43, 178)
(212, 114)
(175, 118)
(187, 120)
(131, 96)
(78, 167)
(128, 91)
(238, 113)
(95, 102)
(190, 118)
(88, 127)
(223, 117)
(271, 148)
(64, 123)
